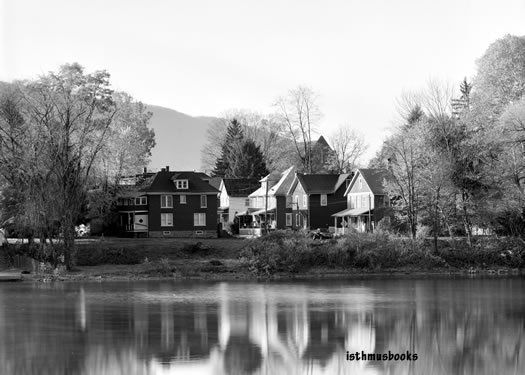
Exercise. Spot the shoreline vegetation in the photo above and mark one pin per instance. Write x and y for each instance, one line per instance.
(281, 256)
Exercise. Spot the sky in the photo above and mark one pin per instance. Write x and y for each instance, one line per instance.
(205, 57)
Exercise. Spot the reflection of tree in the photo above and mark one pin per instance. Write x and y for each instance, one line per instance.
(455, 326)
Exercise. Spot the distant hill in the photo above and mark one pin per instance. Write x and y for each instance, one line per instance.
(179, 139)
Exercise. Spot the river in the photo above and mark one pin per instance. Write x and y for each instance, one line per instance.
(453, 326)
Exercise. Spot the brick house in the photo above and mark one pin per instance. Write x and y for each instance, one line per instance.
(315, 198)
(168, 204)
(367, 201)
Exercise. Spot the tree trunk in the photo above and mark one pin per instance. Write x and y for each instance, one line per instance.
(69, 241)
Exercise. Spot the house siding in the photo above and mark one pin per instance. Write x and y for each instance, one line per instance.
(183, 215)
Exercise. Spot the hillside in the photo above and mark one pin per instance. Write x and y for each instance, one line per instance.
(179, 139)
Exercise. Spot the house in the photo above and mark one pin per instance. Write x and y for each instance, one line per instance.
(269, 203)
(315, 198)
(168, 204)
(233, 197)
(366, 201)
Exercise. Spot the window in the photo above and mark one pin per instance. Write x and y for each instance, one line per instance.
(305, 200)
(324, 200)
(364, 202)
(166, 201)
(298, 220)
(181, 184)
(166, 220)
(247, 202)
(360, 182)
(199, 219)
(204, 201)
(288, 220)
(260, 202)
(182, 199)
(296, 201)
(141, 201)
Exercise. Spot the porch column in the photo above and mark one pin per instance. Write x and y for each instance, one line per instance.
(335, 224)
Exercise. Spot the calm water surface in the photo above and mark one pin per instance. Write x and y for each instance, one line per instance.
(456, 326)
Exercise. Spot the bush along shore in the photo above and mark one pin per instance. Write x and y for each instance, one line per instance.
(295, 253)
(280, 254)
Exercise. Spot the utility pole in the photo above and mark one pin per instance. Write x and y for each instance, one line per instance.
(266, 209)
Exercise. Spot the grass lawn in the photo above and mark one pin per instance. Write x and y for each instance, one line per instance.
(171, 248)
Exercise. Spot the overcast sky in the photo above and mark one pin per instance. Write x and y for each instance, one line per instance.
(206, 57)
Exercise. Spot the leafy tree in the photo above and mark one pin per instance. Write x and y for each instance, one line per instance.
(500, 78)
(58, 130)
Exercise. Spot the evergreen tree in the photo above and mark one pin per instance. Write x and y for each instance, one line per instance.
(234, 137)
(247, 161)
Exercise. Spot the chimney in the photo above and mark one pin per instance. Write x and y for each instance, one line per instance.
(167, 168)
(145, 170)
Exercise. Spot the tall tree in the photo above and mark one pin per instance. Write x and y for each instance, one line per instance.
(348, 146)
(57, 129)
(246, 161)
(299, 113)
(234, 137)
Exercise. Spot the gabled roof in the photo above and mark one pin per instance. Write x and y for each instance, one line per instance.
(319, 183)
(283, 181)
(374, 179)
(163, 181)
(240, 187)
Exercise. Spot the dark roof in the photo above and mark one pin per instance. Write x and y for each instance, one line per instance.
(215, 182)
(321, 183)
(374, 178)
(163, 181)
(240, 187)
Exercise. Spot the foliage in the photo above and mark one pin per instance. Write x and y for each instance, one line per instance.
(61, 136)
(284, 252)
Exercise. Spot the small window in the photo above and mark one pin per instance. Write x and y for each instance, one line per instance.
(181, 184)
(288, 220)
(199, 219)
(166, 220)
(204, 201)
(296, 201)
(247, 202)
(360, 182)
(166, 201)
(324, 199)
(182, 199)
(298, 219)
(305, 200)
(141, 201)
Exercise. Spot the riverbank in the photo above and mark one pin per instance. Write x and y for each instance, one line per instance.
(287, 256)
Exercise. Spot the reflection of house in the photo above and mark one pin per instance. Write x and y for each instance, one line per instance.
(169, 204)
(366, 201)
(314, 198)
(233, 197)
(269, 200)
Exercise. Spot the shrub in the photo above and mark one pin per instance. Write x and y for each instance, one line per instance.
(196, 248)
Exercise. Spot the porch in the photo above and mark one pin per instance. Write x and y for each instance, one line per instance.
(133, 221)
(360, 219)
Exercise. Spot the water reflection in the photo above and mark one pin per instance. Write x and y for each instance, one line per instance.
(460, 326)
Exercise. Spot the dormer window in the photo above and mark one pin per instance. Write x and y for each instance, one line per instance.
(181, 184)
